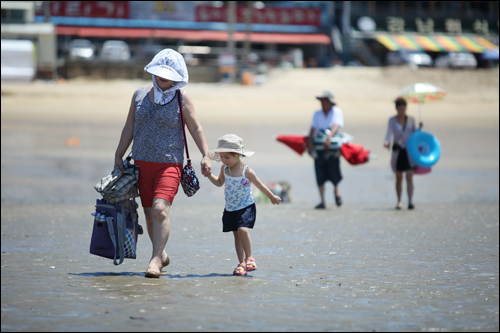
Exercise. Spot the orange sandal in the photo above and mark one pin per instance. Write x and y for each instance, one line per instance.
(240, 270)
(250, 263)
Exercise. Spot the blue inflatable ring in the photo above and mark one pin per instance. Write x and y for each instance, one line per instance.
(424, 149)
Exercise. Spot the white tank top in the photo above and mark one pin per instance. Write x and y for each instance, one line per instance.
(238, 192)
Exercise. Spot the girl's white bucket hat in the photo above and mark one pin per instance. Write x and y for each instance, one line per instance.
(229, 143)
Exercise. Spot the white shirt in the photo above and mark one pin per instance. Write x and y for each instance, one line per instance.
(334, 116)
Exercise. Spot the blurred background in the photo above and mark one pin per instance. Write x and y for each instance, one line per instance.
(241, 41)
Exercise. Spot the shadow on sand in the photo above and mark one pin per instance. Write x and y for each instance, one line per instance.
(178, 276)
(99, 274)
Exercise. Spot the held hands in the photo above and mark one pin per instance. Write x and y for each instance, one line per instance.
(206, 167)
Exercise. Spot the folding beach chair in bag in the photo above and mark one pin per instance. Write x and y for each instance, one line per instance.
(116, 227)
(116, 222)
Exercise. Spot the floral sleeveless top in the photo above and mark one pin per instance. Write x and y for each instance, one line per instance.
(157, 130)
(238, 192)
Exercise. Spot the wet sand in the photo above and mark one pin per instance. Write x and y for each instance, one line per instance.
(363, 267)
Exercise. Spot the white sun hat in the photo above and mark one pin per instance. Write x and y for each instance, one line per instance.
(169, 65)
(229, 143)
(165, 72)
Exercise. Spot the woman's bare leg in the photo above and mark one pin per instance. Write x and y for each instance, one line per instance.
(399, 187)
(409, 185)
(160, 232)
(149, 227)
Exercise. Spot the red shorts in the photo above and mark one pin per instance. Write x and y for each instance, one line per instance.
(158, 180)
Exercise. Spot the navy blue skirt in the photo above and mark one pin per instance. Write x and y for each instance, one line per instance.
(245, 217)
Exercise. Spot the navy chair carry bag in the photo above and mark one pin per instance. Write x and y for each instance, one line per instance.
(116, 227)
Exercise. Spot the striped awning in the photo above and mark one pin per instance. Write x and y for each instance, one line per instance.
(436, 43)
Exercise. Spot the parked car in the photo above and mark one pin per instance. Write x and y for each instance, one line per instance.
(404, 57)
(148, 51)
(115, 50)
(81, 49)
(18, 60)
(456, 60)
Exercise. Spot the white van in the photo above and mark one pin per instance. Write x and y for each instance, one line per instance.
(18, 60)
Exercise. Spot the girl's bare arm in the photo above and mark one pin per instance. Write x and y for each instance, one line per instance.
(218, 181)
(252, 176)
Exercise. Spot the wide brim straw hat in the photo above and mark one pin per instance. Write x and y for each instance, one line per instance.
(229, 143)
(328, 95)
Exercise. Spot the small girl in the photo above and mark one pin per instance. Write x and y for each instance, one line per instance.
(240, 212)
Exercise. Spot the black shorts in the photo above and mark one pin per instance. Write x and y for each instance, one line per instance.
(327, 168)
(402, 163)
(245, 217)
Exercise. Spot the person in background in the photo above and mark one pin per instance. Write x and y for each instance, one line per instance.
(399, 130)
(326, 161)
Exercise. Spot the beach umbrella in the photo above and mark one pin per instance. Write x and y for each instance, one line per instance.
(421, 93)
(297, 142)
(354, 153)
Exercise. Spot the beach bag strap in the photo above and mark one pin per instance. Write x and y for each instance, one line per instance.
(111, 231)
(179, 101)
(122, 234)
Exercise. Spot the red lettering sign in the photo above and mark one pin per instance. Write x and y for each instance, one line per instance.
(108, 9)
(266, 15)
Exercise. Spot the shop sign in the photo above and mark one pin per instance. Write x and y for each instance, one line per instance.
(396, 24)
(266, 15)
(107, 9)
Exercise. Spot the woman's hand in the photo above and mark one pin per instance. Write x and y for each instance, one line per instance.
(206, 166)
(386, 145)
(118, 163)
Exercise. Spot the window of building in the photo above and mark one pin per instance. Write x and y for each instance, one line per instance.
(13, 16)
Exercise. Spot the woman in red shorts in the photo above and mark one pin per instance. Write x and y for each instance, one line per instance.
(154, 124)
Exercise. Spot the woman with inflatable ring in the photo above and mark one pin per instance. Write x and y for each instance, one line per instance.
(399, 129)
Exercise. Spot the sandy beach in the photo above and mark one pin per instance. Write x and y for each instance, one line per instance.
(361, 267)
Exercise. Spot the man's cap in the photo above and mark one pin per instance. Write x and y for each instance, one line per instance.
(328, 95)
